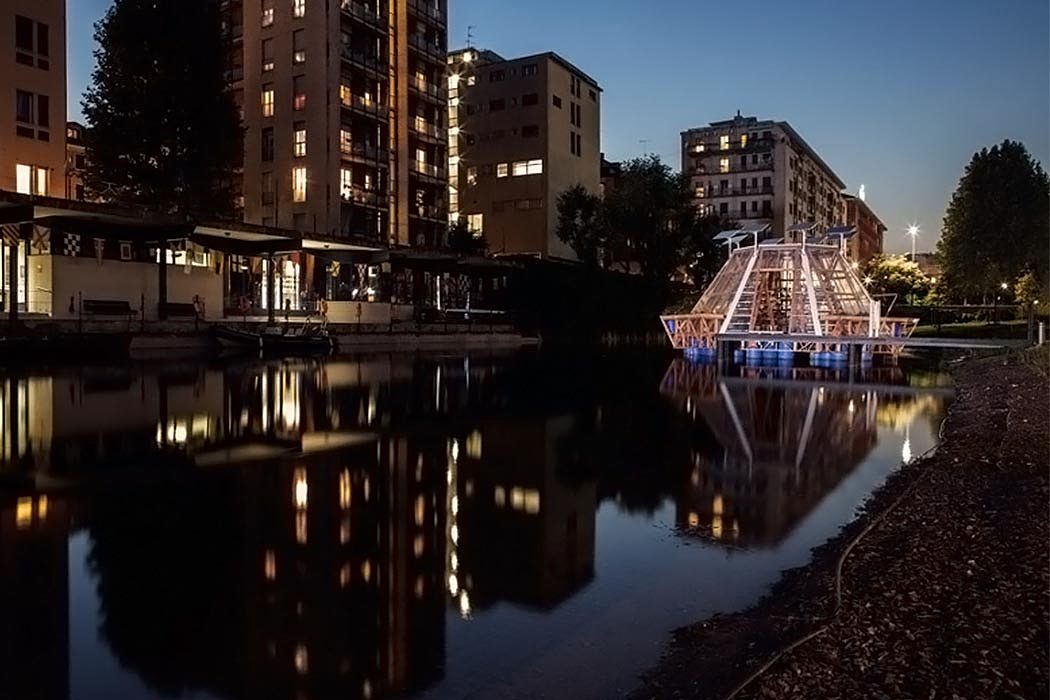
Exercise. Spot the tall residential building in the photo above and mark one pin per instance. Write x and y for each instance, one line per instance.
(344, 104)
(76, 160)
(760, 172)
(522, 131)
(866, 241)
(33, 85)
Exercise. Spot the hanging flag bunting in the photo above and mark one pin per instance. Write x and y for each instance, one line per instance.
(125, 250)
(71, 245)
(335, 268)
(10, 233)
(41, 244)
(100, 249)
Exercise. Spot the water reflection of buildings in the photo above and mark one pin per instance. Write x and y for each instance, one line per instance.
(783, 445)
(282, 530)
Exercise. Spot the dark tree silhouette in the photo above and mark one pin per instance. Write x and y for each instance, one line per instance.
(164, 129)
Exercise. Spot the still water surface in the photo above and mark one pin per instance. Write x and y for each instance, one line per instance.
(440, 526)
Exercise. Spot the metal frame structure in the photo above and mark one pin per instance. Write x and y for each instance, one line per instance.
(770, 290)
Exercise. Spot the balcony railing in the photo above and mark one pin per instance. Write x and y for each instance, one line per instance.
(429, 211)
(359, 11)
(427, 169)
(370, 61)
(733, 168)
(713, 149)
(429, 48)
(363, 104)
(428, 9)
(425, 87)
(359, 195)
(421, 126)
(365, 151)
(716, 192)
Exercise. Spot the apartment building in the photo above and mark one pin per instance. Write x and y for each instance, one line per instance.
(868, 229)
(76, 160)
(521, 132)
(344, 105)
(760, 172)
(33, 83)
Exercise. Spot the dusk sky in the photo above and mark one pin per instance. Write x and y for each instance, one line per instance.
(896, 94)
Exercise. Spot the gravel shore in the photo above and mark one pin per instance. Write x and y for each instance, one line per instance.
(947, 595)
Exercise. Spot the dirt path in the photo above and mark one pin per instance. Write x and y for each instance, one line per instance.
(945, 597)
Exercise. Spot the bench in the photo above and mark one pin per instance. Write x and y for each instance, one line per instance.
(173, 309)
(106, 307)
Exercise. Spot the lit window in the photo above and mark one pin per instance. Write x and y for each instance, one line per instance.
(299, 184)
(267, 13)
(519, 168)
(300, 488)
(346, 188)
(475, 223)
(270, 565)
(299, 93)
(420, 510)
(534, 167)
(267, 100)
(502, 170)
(23, 513)
(298, 8)
(723, 143)
(743, 140)
(500, 496)
(472, 176)
(299, 139)
(267, 54)
(346, 141)
(698, 148)
(345, 94)
(30, 179)
(723, 165)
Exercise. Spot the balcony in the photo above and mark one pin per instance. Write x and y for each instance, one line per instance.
(714, 148)
(376, 63)
(429, 10)
(433, 212)
(359, 12)
(363, 197)
(427, 48)
(366, 152)
(426, 89)
(427, 170)
(421, 127)
(733, 168)
(366, 106)
(717, 193)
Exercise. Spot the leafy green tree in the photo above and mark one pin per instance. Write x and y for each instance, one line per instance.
(996, 224)
(581, 226)
(1029, 291)
(462, 240)
(164, 129)
(896, 274)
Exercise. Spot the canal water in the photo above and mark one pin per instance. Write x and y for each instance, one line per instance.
(514, 525)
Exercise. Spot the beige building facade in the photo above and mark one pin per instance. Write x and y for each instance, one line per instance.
(344, 106)
(758, 172)
(521, 132)
(33, 84)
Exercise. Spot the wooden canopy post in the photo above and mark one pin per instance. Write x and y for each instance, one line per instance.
(12, 282)
(162, 281)
(270, 291)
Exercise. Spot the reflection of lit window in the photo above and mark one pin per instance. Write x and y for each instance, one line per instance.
(344, 531)
(417, 546)
(41, 507)
(366, 570)
(532, 501)
(500, 496)
(716, 526)
(464, 604)
(301, 659)
(344, 576)
(367, 488)
(24, 512)
(270, 565)
(694, 520)
(419, 587)
(300, 527)
(474, 445)
(716, 504)
(301, 489)
(453, 584)
(454, 504)
(454, 533)
(344, 489)
(453, 561)
(421, 510)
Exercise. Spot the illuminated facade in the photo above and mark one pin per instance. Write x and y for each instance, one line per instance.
(521, 132)
(759, 173)
(344, 109)
(866, 241)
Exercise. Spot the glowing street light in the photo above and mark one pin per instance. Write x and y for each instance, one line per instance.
(1004, 286)
(913, 231)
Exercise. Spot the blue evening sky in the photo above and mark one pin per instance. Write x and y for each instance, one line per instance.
(894, 94)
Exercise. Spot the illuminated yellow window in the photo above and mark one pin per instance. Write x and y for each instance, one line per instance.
(366, 570)
(723, 165)
(344, 476)
(502, 170)
(299, 184)
(302, 664)
(344, 576)
(417, 546)
(723, 143)
(300, 488)
(299, 139)
(344, 531)
(500, 496)
(743, 140)
(23, 513)
(267, 101)
(298, 8)
(346, 191)
(421, 510)
(344, 94)
(300, 527)
(41, 507)
(270, 565)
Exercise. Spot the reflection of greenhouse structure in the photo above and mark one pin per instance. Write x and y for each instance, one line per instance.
(783, 449)
(809, 292)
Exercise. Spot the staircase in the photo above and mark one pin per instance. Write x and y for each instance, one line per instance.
(740, 320)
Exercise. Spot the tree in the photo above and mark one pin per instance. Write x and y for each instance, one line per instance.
(1028, 290)
(164, 129)
(996, 224)
(896, 275)
(580, 225)
(462, 240)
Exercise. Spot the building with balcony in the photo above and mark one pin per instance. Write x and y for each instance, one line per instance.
(76, 160)
(868, 229)
(759, 173)
(344, 107)
(521, 132)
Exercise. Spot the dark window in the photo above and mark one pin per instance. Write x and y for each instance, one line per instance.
(530, 132)
(299, 92)
(723, 208)
(267, 188)
(754, 205)
(743, 209)
(298, 46)
(43, 111)
(267, 54)
(42, 43)
(24, 106)
(497, 76)
(572, 143)
(24, 131)
(497, 105)
(80, 192)
(767, 182)
(267, 143)
(78, 161)
(754, 182)
(557, 101)
(593, 95)
(528, 70)
(754, 158)
(530, 99)
(743, 162)
(23, 33)
(579, 145)
(43, 135)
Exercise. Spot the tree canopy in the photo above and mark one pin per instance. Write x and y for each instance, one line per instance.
(996, 224)
(164, 131)
(896, 274)
(646, 222)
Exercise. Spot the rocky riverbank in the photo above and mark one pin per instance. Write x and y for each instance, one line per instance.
(944, 594)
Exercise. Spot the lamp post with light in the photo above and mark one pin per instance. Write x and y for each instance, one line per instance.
(913, 231)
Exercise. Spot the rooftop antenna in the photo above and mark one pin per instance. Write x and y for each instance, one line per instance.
(470, 35)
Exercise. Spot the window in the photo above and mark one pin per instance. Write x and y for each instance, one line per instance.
(299, 46)
(743, 140)
(743, 209)
(530, 132)
(754, 206)
(299, 139)
(267, 54)
(23, 33)
(527, 167)
(556, 101)
(267, 100)
(723, 143)
(299, 184)
(502, 170)
(267, 13)
(345, 95)
(529, 70)
(767, 183)
(723, 208)
(519, 168)
(497, 76)
(723, 165)
(472, 176)
(743, 162)
(593, 95)
(299, 93)
(298, 8)
(42, 39)
(267, 188)
(575, 114)
(267, 144)
(346, 183)
(30, 179)
(497, 105)
(530, 99)
(476, 223)
(24, 107)
(43, 111)
(346, 141)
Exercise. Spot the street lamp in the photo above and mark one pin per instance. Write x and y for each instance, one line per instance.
(913, 231)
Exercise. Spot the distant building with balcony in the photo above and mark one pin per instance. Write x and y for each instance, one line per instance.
(76, 161)
(868, 230)
(521, 132)
(344, 113)
(760, 173)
